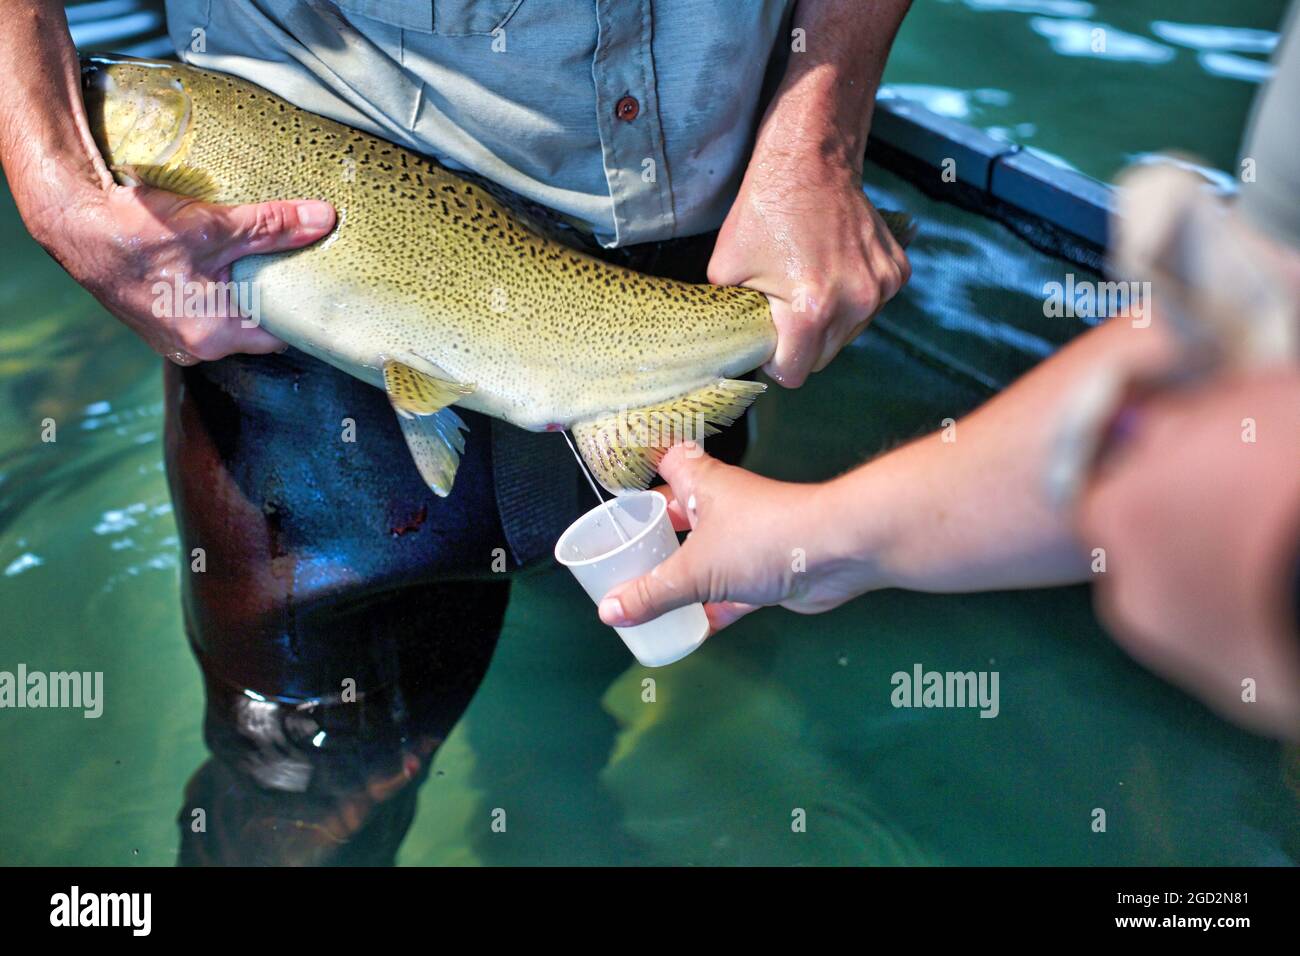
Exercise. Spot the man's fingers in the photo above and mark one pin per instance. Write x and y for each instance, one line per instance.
(206, 338)
(221, 235)
(837, 338)
(798, 346)
(259, 228)
(257, 342)
(671, 585)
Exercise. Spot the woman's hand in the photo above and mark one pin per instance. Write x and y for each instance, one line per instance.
(120, 241)
(753, 542)
(1196, 506)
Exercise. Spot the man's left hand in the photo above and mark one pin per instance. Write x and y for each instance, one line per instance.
(804, 234)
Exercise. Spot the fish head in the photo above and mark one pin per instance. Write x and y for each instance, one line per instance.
(140, 112)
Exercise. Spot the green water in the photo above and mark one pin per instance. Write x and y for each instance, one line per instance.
(1026, 70)
(780, 712)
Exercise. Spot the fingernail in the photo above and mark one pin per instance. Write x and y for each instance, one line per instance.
(611, 611)
(314, 215)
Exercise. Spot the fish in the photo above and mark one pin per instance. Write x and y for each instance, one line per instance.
(432, 288)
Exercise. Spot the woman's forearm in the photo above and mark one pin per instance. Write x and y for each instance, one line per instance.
(972, 512)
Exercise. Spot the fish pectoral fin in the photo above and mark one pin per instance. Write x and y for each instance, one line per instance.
(419, 393)
(186, 181)
(433, 431)
(623, 449)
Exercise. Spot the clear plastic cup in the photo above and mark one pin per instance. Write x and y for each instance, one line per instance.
(622, 539)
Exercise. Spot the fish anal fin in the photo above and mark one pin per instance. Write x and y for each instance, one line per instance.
(623, 448)
(433, 431)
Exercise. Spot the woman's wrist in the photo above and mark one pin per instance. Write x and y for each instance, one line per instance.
(855, 533)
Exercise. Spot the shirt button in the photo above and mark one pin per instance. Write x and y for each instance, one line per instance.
(627, 109)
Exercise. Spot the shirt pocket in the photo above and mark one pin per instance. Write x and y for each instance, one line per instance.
(449, 18)
(463, 18)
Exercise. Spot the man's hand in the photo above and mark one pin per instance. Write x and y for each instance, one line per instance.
(119, 242)
(753, 542)
(805, 235)
(801, 231)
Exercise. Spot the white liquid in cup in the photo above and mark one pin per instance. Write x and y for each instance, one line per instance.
(622, 539)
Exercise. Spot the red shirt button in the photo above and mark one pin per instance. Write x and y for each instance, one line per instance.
(627, 109)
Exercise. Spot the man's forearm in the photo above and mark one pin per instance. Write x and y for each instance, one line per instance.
(825, 102)
(45, 142)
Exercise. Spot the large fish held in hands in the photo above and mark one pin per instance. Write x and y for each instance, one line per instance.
(432, 289)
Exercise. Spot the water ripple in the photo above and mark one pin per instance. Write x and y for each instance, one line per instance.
(1207, 37)
(1099, 40)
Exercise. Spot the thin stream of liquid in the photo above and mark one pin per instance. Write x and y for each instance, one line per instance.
(582, 466)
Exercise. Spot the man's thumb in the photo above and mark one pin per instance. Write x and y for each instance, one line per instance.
(671, 585)
(276, 226)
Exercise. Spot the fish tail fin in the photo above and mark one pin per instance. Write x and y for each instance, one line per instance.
(902, 226)
(623, 448)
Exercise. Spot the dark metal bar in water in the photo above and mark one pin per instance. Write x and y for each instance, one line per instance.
(1065, 198)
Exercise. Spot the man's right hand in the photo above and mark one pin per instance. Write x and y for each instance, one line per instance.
(121, 241)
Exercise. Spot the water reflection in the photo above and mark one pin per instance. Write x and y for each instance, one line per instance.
(947, 100)
(24, 562)
(1235, 67)
(308, 783)
(1102, 41)
(1208, 37)
(1053, 8)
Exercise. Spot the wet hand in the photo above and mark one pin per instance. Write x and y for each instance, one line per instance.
(804, 234)
(753, 542)
(121, 242)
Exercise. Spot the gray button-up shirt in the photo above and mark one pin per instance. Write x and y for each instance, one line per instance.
(634, 118)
